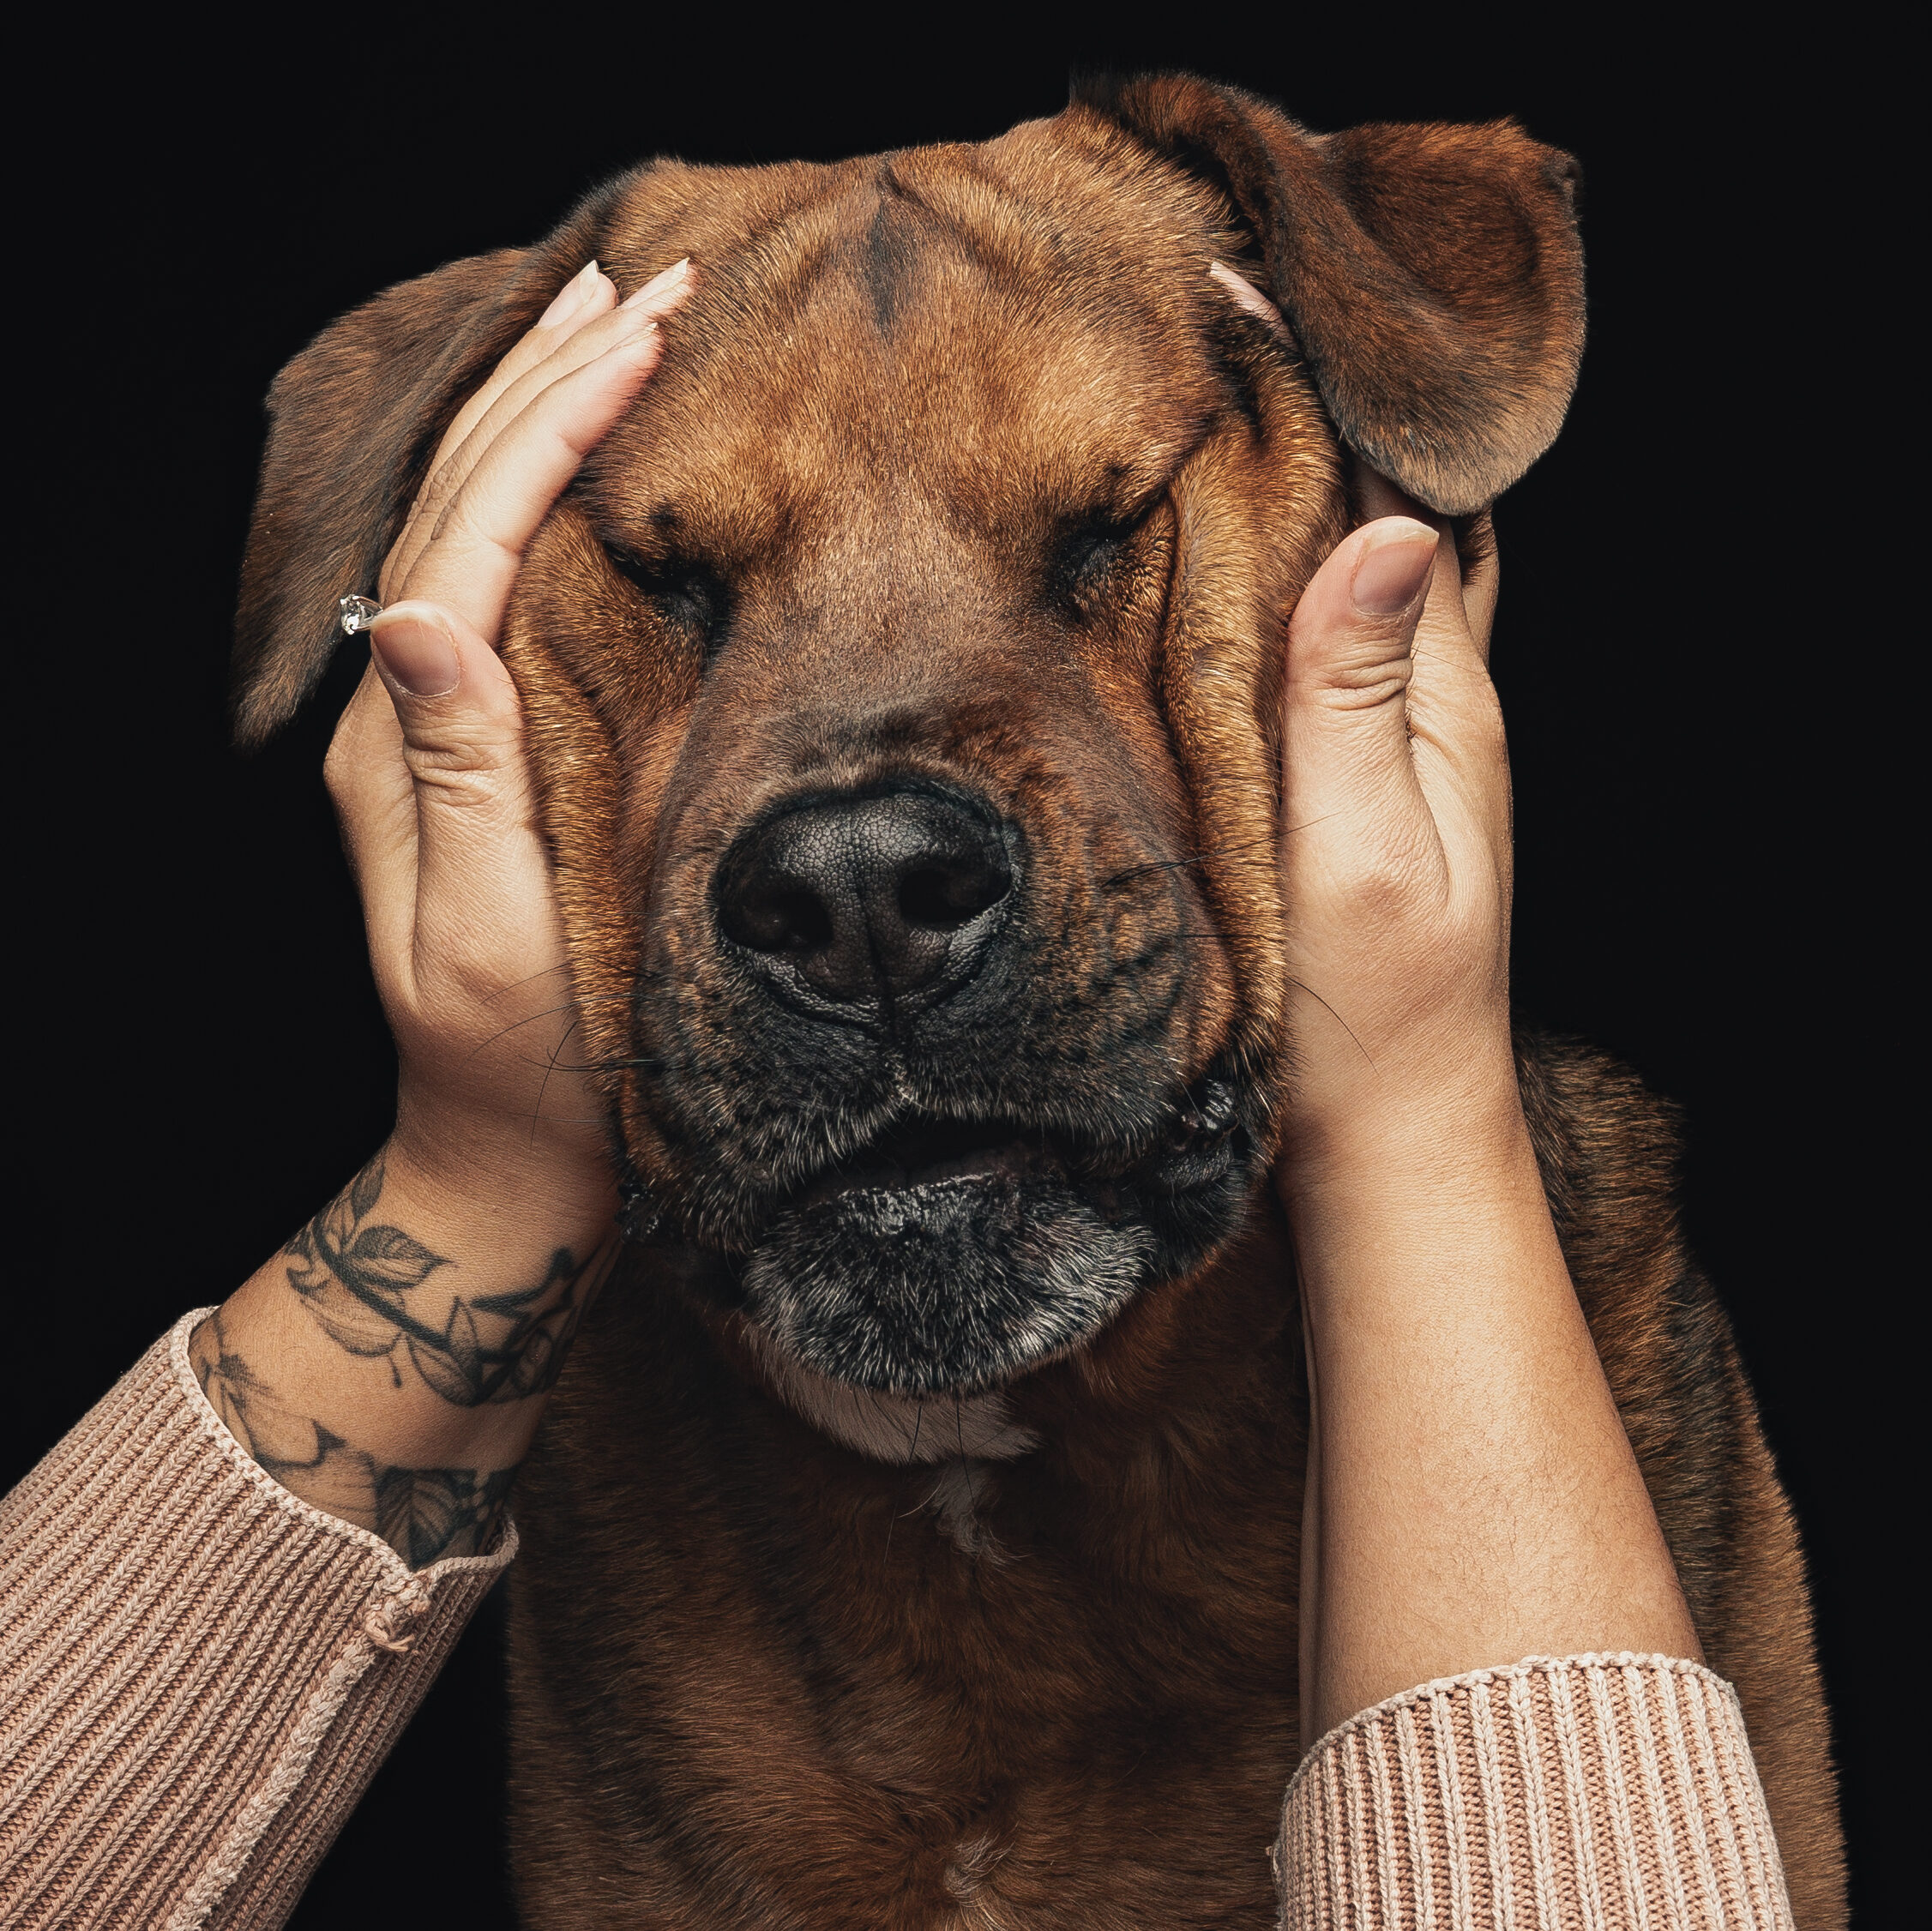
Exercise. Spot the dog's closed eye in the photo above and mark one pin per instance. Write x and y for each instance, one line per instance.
(684, 594)
(1099, 559)
(1087, 563)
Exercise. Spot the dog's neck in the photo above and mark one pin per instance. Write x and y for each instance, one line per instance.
(1179, 1364)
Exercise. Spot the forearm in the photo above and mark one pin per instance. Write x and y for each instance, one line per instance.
(1473, 1499)
(391, 1363)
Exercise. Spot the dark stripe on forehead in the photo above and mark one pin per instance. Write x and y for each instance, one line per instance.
(887, 257)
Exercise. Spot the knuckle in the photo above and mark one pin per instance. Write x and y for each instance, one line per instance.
(1379, 875)
(463, 777)
(1382, 892)
(1366, 663)
(1373, 687)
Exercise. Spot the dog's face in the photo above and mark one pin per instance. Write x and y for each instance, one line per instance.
(928, 923)
(901, 677)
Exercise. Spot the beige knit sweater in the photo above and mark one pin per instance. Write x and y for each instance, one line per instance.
(199, 1675)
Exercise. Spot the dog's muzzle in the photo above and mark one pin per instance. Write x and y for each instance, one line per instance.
(955, 1220)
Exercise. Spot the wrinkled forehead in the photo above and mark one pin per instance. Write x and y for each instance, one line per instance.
(977, 330)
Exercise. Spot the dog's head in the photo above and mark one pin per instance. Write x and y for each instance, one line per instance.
(902, 674)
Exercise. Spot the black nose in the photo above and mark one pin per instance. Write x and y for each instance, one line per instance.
(869, 897)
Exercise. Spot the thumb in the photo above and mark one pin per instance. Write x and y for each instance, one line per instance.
(462, 727)
(462, 742)
(1346, 729)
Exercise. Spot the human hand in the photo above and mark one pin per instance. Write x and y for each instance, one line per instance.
(1472, 1497)
(427, 771)
(390, 1364)
(1395, 845)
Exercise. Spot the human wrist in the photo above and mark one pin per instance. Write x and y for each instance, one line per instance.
(1425, 1221)
(475, 1173)
(391, 1363)
(1420, 1121)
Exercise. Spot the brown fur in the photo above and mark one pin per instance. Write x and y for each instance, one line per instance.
(757, 1680)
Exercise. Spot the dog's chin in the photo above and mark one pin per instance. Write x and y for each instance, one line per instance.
(957, 1263)
(947, 1287)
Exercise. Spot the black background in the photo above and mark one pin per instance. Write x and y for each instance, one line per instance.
(1704, 648)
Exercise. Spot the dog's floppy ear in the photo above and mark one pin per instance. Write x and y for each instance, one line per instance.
(353, 422)
(1432, 274)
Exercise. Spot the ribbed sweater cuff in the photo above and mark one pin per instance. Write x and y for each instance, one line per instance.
(199, 1672)
(1597, 1792)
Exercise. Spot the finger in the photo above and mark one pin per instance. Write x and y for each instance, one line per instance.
(1450, 692)
(1457, 743)
(1346, 745)
(471, 558)
(658, 297)
(570, 350)
(587, 295)
(1451, 702)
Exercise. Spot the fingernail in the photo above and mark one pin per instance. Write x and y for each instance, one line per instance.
(1392, 568)
(638, 330)
(570, 297)
(660, 284)
(1247, 296)
(416, 655)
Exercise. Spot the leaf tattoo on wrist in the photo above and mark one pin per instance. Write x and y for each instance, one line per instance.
(423, 1513)
(356, 1276)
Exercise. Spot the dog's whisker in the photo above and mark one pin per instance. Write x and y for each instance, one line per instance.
(1184, 863)
(542, 1086)
(542, 972)
(1334, 1015)
(912, 1456)
(554, 1012)
(517, 1025)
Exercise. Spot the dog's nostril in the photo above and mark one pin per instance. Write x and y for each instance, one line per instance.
(782, 922)
(943, 899)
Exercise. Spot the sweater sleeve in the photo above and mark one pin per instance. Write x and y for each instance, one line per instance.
(1597, 1791)
(199, 1672)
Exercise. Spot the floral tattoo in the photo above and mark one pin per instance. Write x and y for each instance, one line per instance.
(423, 1513)
(357, 1276)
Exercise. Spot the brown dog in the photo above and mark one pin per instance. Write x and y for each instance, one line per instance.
(913, 1542)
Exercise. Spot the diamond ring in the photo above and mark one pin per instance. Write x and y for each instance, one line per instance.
(358, 613)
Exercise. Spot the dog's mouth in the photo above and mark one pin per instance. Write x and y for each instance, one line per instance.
(950, 1256)
(922, 1153)
(1201, 1136)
